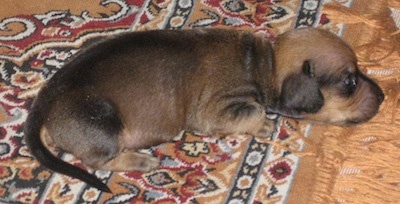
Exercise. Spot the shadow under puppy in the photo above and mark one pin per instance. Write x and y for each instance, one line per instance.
(141, 89)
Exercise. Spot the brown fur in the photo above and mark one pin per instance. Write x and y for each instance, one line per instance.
(141, 89)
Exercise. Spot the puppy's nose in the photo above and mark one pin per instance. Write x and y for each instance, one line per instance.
(381, 97)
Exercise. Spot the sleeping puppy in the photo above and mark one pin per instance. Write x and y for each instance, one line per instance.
(141, 89)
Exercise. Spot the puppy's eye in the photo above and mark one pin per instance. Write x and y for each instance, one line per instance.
(351, 81)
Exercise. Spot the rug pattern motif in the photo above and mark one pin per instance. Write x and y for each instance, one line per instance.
(197, 168)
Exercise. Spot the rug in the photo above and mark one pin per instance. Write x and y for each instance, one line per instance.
(300, 163)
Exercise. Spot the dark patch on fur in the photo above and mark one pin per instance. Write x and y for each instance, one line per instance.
(301, 92)
(98, 112)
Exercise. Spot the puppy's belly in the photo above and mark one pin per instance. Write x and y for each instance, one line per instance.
(147, 126)
(140, 139)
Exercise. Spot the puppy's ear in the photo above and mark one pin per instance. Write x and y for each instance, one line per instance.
(300, 91)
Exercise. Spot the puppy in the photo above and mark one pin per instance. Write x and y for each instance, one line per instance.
(141, 89)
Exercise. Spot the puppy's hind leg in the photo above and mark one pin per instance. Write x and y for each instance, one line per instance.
(86, 125)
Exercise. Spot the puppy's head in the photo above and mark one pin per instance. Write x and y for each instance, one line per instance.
(320, 80)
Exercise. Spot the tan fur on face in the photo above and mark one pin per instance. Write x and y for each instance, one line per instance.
(331, 58)
(327, 52)
(339, 110)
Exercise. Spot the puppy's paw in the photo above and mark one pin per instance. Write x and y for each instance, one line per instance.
(268, 129)
(147, 163)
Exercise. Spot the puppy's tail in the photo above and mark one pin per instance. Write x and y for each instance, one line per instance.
(36, 119)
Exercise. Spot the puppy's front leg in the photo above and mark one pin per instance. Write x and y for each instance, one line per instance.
(240, 113)
(248, 117)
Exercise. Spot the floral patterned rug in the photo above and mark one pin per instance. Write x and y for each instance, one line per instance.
(38, 36)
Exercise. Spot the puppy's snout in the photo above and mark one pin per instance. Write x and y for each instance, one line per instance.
(374, 88)
(368, 105)
(380, 97)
